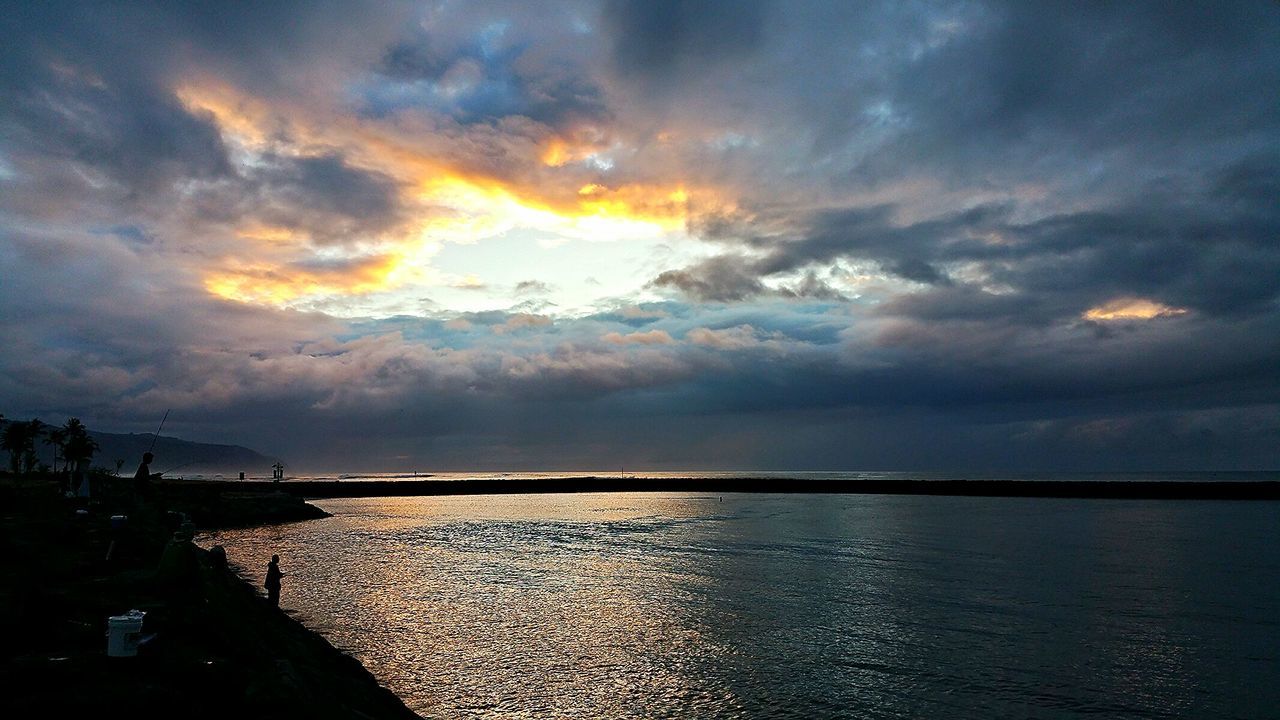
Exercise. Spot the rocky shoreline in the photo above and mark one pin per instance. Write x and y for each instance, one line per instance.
(213, 646)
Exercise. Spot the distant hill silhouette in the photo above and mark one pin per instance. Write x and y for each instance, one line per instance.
(176, 456)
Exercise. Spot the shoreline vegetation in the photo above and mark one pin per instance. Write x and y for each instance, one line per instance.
(213, 646)
(1085, 489)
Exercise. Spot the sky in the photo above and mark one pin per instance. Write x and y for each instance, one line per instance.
(649, 234)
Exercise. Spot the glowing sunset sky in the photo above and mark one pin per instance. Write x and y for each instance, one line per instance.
(653, 234)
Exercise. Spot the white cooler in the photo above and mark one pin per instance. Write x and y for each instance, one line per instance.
(123, 632)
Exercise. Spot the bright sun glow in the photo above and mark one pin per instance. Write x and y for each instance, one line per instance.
(281, 265)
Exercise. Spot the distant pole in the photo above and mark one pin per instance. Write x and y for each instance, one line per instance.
(157, 435)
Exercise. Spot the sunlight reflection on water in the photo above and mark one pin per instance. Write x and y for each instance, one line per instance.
(679, 605)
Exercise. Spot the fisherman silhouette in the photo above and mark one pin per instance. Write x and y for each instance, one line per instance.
(273, 580)
(143, 477)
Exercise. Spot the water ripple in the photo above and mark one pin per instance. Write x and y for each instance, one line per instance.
(667, 605)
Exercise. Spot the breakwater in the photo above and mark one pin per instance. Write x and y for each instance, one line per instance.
(1131, 490)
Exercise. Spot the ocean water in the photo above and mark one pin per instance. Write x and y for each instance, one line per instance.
(769, 606)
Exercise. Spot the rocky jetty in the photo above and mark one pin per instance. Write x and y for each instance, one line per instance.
(211, 647)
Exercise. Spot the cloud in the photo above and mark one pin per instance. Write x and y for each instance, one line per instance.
(323, 196)
(532, 287)
(483, 81)
(832, 234)
(634, 312)
(1132, 309)
(522, 321)
(575, 373)
(470, 282)
(651, 337)
(657, 39)
(1187, 248)
(721, 279)
(811, 287)
(741, 337)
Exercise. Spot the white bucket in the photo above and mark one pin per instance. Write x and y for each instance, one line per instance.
(123, 632)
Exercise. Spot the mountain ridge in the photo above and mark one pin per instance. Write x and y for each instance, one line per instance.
(172, 453)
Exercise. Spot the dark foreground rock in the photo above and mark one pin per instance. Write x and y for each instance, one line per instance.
(217, 649)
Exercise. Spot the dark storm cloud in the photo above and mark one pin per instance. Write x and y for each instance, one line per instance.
(1015, 90)
(90, 98)
(1210, 248)
(92, 108)
(327, 183)
(288, 47)
(142, 141)
(728, 278)
(1206, 258)
(658, 37)
(965, 302)
(812, 287)
(725, 278)
(323, 196)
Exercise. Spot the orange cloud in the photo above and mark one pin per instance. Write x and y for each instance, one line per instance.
(1132, 309)
(457, 204)
(558, 151)
(280, 284)
(266, 233)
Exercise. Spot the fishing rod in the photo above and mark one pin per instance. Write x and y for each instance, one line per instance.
(179, 467)
(157, 435)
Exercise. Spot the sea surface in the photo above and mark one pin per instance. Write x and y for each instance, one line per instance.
(793, 606)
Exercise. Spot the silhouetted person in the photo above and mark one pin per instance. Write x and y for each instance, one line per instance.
(273, 580)
(179, 568)
(142, 478)
(218, 558)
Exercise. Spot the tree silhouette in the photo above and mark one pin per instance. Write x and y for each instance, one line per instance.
(19, 439)
(77, 445)
(7, 442)
(14, 440)
(35, 430)
(58, 439)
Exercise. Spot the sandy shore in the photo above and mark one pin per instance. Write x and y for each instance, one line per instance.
(217, 650)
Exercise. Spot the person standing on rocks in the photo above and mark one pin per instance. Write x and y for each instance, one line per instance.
(143, 477)
(273, 581)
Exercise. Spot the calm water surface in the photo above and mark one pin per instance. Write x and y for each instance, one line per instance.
(771, 606)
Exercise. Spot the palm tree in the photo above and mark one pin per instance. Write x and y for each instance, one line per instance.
(19, 439)
(78, 446)
(58, 439)
(35, 429)
(12, 440)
